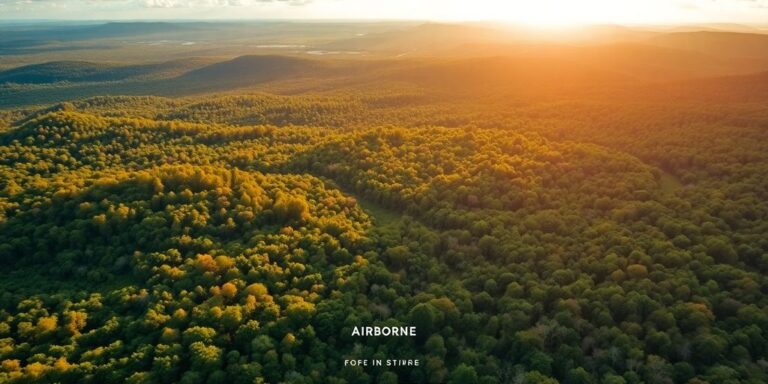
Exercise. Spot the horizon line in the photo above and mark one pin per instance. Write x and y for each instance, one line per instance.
(368, 20)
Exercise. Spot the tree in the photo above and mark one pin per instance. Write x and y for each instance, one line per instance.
(205, 358)
(425, 318)
(637, 271)
(291, 209)
(463, 374)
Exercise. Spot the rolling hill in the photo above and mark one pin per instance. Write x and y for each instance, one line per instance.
(649, 62)
(253, 69)
(723, 44)
(518, 74)
(751, 88)
(83, 71)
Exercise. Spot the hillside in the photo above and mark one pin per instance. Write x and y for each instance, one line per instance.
(644, 61)
(525, 75)
(290, 75)
(556, 70)
(250, 70)
(723, 44)
(746, 88)
(82, 71)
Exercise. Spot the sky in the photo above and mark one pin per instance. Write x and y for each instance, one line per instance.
(534, 12)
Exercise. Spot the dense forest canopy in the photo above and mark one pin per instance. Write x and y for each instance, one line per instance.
(533, 230)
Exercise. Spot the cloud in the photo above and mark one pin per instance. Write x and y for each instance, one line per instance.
(758, 3)
(689, 6)
(165, 3)
(748, 3)
(215, 3)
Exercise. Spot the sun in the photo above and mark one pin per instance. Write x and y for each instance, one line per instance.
(548, 13)
(564, 13)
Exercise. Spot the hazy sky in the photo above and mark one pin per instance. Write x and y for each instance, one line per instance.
(541, 12)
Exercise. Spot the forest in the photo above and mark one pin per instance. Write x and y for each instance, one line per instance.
(188, 227)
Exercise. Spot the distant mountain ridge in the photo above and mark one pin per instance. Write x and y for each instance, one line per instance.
(545, 70)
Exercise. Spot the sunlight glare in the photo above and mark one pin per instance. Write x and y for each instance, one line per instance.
(563, 13)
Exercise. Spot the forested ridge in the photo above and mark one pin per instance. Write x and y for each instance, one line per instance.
(219, 239)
